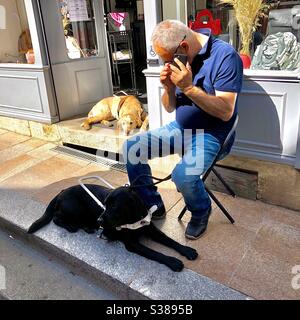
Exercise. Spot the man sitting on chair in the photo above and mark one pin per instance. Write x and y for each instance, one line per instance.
(204, 95)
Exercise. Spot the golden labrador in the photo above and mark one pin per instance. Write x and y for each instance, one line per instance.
(126, 109)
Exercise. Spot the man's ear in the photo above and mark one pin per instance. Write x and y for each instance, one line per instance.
(185, 45)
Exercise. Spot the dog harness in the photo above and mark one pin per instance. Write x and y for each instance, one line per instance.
(134, 226)
(115, 108)
(100, 204)
(139, 224)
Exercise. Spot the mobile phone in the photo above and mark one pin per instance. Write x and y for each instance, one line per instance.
(181, 57)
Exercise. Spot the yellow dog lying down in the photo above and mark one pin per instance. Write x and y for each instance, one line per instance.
(126, 109)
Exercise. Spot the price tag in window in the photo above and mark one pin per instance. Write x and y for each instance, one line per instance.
(78, 10)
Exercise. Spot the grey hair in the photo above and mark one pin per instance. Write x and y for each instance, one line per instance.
(168, 34)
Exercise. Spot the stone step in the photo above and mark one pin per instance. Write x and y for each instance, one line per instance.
(107, 264)
(69, 132)
(99, 137)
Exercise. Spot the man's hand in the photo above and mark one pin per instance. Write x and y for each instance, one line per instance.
(183, 77)
(165, 77)
(168, 98)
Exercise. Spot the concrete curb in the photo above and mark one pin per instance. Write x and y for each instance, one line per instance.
(108, 263)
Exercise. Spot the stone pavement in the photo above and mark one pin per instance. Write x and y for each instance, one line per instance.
(255, 256)
(31, 275)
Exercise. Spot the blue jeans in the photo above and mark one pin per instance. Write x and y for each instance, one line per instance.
(198, 151)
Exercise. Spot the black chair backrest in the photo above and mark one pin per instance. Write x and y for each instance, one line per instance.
(228, 138)
(223, 151)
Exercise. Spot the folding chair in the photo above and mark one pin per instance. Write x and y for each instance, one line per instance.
(221, 155)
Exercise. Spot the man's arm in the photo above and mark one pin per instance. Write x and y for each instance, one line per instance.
(220, 106)
(169, 99)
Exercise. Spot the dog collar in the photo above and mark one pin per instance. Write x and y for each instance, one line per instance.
(139, 224)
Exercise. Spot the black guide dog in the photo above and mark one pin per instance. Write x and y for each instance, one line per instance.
(73, 209)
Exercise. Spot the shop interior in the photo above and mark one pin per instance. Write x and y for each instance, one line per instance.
(125, 28)
(128, 52)
(127, 44)
(125, 33)
(15, 39)
(277, 34)
(271, 38)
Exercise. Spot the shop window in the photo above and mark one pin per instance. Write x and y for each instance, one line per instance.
(79, 28)
(209, 14)
(174, 10)
(274, 45)
(15, 38)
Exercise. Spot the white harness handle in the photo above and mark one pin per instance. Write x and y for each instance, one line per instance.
(90, 193)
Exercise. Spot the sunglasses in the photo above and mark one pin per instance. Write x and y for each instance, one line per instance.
(180, 44)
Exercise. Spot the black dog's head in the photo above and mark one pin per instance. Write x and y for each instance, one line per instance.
(123, 206)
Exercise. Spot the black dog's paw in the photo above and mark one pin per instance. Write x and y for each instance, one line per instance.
(175, 264)
(190, 253)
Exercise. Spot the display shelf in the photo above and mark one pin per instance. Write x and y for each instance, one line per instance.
(122, 40)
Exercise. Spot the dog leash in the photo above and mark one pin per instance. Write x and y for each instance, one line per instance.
(159, 180)
(132, 185)
(100, 204)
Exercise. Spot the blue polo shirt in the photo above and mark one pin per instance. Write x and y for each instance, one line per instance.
(216, 67)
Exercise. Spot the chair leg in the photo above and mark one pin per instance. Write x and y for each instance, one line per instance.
(224, 182)
(219, 204)
(182, 213)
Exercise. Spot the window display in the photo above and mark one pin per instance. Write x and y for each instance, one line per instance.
(16, 45)
(79, 28)
(279, 51)
(279, 48)
(247, 14)
(266, 31)
(209, 14)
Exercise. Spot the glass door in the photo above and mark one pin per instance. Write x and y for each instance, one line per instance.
(77, 45)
